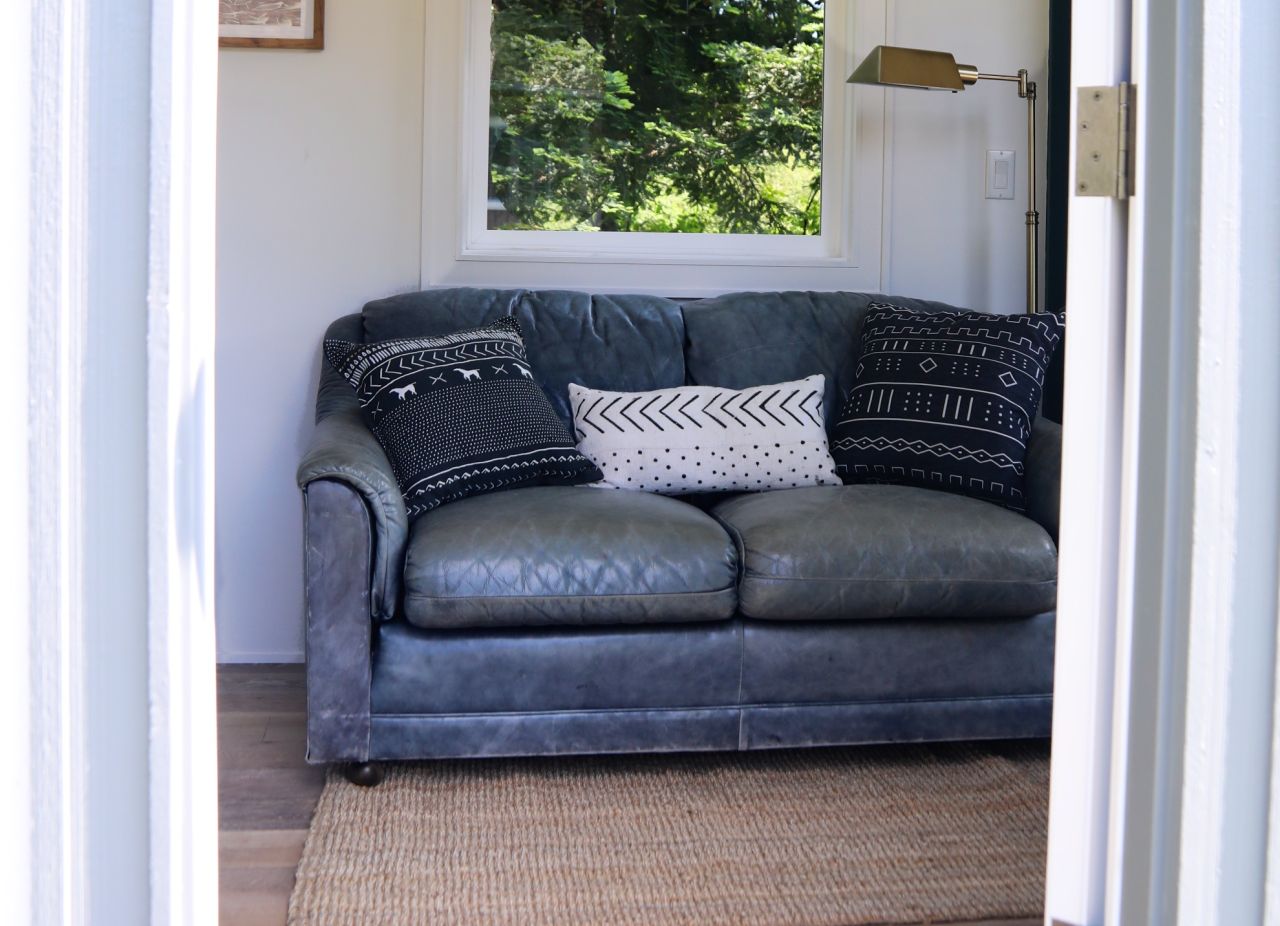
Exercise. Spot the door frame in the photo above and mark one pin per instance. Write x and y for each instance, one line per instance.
(1165, 797)
(1195, 712)
(110, 111)
(1089, 530)
(1164, 759)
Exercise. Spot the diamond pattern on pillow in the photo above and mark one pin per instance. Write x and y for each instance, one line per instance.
(945, 400)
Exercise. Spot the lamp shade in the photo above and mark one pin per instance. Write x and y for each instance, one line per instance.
(891, 66)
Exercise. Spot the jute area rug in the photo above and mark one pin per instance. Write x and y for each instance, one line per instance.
(822, 836)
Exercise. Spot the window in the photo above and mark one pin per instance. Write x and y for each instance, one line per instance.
(675, 146)
(656, 115)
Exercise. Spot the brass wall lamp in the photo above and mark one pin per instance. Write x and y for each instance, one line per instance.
(917, 69)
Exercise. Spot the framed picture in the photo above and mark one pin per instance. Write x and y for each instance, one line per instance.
(271, 23)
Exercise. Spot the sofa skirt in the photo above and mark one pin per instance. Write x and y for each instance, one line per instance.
(729, 685)
(717, 729)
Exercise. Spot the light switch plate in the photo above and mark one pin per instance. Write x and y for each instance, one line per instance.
(1000, 174)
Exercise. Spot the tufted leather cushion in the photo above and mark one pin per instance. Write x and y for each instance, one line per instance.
(625, 343)
(870, 551)
(567, 555)
(749, 339)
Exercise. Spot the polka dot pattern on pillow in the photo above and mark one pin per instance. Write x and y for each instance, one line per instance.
(704, 439)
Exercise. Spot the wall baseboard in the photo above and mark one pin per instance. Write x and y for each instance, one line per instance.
(289, 656)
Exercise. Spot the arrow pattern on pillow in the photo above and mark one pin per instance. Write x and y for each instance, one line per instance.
(724, 410)
(399, 366)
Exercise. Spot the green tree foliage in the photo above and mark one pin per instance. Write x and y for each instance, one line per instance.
(657, 115)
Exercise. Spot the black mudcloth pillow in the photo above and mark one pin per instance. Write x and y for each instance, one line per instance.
(945, 400)
(461, 414)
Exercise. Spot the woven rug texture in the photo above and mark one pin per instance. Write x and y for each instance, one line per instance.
(843, 836)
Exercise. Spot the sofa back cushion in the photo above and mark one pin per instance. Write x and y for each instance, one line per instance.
(622, 343)
(749, 339)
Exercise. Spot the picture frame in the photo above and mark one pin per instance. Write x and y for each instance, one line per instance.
(271, 24)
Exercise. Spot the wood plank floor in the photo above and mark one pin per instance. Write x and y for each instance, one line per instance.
(267, 792)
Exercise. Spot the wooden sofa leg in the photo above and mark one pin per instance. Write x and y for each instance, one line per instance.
(364, 774)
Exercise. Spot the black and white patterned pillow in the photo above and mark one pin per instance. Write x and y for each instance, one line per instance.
(692, 439)
(945, 400)
(461, 414)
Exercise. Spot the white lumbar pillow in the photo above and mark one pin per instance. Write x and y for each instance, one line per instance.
(705, 439)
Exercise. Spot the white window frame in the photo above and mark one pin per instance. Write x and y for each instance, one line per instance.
(459, 250)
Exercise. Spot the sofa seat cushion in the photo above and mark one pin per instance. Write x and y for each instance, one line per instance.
(566, 555)
(880, 551)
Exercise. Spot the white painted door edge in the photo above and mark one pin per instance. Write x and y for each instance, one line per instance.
(1095, 366)
(180, 460)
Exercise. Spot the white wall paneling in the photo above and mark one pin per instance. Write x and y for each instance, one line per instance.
(943, 239)
(319, 210)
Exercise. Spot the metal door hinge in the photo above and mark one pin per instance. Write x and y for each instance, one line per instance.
(1105, 123)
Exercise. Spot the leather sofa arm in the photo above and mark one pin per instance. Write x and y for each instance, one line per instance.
(343, 449)
(339, 553)
(1044, 474)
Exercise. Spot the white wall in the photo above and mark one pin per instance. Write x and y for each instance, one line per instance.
(318, 194)
(943, 238)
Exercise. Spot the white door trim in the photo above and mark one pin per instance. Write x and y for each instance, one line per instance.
(45, 259)
(1225, 762)
(1093, 432)
(180, 463)
(108, 803)
(17, 810)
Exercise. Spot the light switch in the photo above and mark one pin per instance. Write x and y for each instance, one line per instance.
(1000, 174)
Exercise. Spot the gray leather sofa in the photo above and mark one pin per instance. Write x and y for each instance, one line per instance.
(553, 620)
